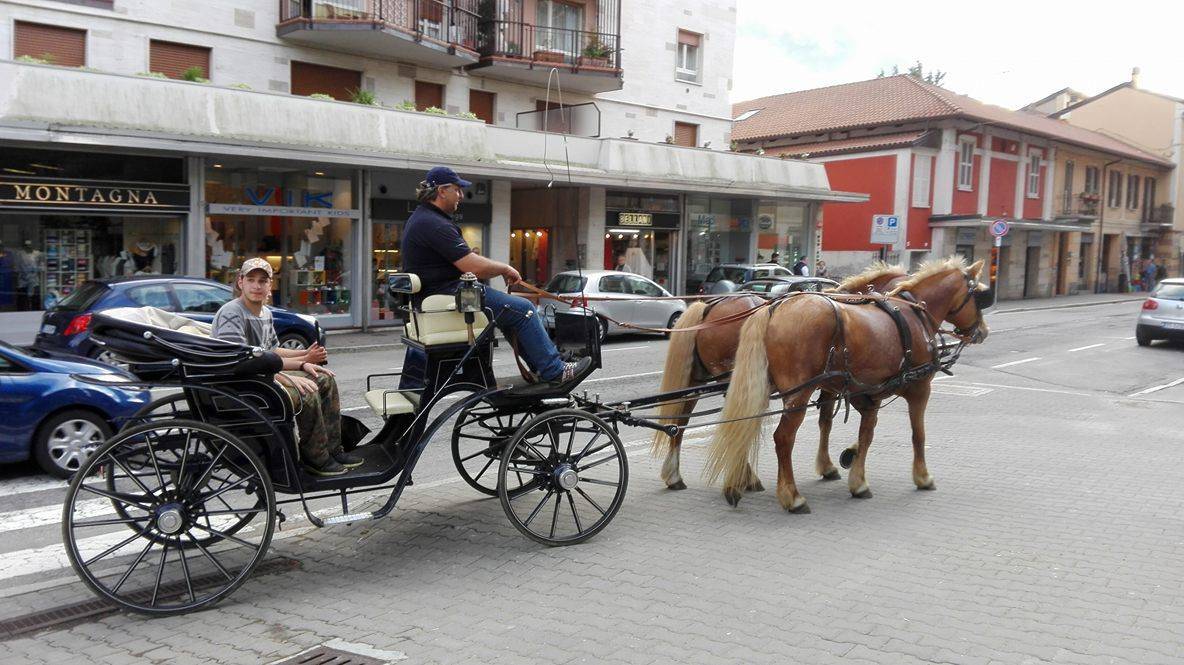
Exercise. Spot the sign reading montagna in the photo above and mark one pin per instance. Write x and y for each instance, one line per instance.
(89, 196)
(635, 219)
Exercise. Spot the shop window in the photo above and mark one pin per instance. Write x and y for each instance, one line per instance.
(177, 60)
(686, 134)
(51, 43)
(428, 95)
(338, 83)
(201, 298)
(686, 67)
(153, 295)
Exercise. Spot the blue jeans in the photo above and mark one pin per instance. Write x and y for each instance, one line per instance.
(514, 316)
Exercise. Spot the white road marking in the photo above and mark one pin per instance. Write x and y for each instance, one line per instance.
(26, 485)
(1036, 390)
(1157, 388)
(623, 376)
(1083, 348)
(961, 391)
(1015, 362)
(31, 518)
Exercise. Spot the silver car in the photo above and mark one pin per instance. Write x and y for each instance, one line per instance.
(620, 290)
(1162, 316)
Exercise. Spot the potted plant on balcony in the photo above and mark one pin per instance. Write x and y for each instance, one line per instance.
(1089, 202)
(544, 55)
(596, 54)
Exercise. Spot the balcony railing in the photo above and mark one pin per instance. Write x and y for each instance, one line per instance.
(547, 45)
(452, 22)
(1082, 205)
(1161, 214)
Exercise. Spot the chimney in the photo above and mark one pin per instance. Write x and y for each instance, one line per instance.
(1135, 77)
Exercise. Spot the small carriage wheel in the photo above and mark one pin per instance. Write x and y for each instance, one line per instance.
(580, 473)
(478, 439)
(200, 505)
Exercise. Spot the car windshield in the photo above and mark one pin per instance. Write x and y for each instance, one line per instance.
(759, 287)
(83, 298)
(566, 284)
(730, 273)
(1169, 292)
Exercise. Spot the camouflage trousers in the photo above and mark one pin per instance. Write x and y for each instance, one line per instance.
(318, 419)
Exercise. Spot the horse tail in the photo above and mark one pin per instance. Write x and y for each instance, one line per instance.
(736, 440)
(677, 372)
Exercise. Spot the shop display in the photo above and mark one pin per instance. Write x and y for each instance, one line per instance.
(67, 265)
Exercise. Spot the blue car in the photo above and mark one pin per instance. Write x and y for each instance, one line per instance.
(50, 415)
(65, 327)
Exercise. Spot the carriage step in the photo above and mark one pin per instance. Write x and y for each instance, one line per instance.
(346, 519)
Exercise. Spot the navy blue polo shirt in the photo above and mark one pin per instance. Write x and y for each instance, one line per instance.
(431, 244)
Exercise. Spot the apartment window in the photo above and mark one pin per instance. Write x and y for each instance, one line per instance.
(1148, 199)
(55, 44)
(966, 163)
(428, 95)
(1067, 189)
(1114, 196)
(686, 67)
(1132, 192)
(922, 173)
(309, 79)
(558, 26)
(1092, 180)
(1033, 175)
(686, 134)
(174, 60)
(481, 105)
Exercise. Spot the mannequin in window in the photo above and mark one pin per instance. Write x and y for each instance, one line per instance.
(7, 277)
(143, 255)
(30, 264)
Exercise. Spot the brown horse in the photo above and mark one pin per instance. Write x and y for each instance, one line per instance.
(695, 358)
(807, 337)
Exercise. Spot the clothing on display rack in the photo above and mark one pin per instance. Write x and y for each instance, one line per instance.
(143, 255)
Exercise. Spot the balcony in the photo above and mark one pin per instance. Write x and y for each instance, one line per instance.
(439, 33)
(582, 42)
(1159, 217)
(1084, 206)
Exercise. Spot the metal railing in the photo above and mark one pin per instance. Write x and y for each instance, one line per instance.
(576, 120)
(1078, 206)
(1160, 214)
(446, 21)
(548, 45)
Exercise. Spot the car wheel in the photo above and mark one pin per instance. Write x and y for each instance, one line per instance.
(294, 341)
(673, 320)
(1142, 338)
(603, 329)
(64, 442)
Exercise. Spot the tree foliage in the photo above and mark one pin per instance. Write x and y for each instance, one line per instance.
(917, 71)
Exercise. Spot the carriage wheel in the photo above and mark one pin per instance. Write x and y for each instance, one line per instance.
(478, 439)
(170, 406)
(200, 506)
(579, 473)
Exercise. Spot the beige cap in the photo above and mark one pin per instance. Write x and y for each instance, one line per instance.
(255, 264)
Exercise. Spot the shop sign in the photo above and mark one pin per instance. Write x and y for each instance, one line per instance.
(635, 219)
(765, 222)
(280, 211)
(703, 221)
(263, 195)
(966, 236)
(80, 196)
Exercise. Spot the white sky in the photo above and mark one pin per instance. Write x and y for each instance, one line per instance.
(1001, 52)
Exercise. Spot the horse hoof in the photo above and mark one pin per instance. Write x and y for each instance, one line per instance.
(847, 458)
(864, 493)
(833, 474)
(680, 485)
(733, 497)
(755, 486)
(929, 486)
(803, 509)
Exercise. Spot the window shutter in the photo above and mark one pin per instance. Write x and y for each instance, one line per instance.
(686, 134)
(922, 167)
(481, 105)
(63, 46)
(172, 59)
(338, 83)
(428, 95)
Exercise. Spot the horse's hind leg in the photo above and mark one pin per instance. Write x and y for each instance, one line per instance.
(918, 399)
(827, 404)
(754, 483)
(670, 466)
(868, 415)
(783, 437)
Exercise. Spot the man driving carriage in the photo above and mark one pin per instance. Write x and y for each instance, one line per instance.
(310, 386)
(434, 249)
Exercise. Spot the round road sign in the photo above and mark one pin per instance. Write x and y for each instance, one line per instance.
(999, 228)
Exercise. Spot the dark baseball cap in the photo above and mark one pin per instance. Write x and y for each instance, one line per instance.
(442, 175)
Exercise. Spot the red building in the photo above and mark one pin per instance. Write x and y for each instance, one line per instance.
(944, 165)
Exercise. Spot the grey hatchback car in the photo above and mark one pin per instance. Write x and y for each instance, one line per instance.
(617, 296)
(1162, 316)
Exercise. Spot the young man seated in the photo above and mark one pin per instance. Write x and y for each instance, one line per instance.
(310, 386)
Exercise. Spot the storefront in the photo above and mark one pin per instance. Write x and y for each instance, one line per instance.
(69, 217)
(719, 230)
(641, 233)
(304, 222)
(782, 233)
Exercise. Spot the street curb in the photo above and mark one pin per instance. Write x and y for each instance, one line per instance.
(1070, 305)
(366, 347)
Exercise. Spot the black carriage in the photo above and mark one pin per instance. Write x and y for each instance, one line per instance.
(174, 512)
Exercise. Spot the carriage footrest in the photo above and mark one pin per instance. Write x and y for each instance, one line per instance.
(346, 519)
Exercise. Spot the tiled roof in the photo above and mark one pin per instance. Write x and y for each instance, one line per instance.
(856, 144)
(893, 100)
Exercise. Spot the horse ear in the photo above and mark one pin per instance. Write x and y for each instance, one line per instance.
(976, 268)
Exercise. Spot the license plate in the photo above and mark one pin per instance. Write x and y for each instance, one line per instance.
(47, 328)
(1174, 326)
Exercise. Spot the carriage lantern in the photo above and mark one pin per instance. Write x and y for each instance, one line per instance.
(468, 296)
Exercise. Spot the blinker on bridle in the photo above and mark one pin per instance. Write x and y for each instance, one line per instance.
(982, 300)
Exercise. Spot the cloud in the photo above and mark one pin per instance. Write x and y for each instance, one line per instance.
(1007, 53)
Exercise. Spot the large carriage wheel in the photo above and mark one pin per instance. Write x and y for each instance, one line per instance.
(168, 407)
(478, 439)
(579, 474)
(200, 506)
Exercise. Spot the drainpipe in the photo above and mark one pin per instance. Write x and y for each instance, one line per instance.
(1102, 226)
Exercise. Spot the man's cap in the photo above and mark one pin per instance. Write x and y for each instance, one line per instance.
(442, 175)
(255, 264)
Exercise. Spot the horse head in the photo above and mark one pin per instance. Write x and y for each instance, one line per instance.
(953, 293)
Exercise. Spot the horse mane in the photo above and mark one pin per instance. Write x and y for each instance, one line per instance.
(871, 273)
(929, 269)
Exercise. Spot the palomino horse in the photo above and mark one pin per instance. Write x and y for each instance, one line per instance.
(808, 337)
(698, 357)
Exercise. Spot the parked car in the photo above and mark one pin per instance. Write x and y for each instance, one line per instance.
(620, 289)
(724, 278)
(49, 414)
(775, 286)
(64, 327)
(1162, 316)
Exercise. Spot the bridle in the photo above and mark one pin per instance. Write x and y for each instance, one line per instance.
(982, 300)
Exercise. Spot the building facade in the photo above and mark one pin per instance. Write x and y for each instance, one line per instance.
(946, 167)
(297, 130)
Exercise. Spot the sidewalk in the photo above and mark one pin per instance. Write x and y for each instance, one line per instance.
(1062, 302)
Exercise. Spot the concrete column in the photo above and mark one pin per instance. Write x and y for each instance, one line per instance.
(193, 258)
(592, 212)
(1021, 185)
(498, 245)
(900, 204)
(364, 277)
(984, 175)
(1050, 159)
(944, 176)
(456, 93)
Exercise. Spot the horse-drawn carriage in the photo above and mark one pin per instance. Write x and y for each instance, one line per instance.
(184, 497)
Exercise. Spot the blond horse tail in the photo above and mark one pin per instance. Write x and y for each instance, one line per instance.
(736, 441)
(677, 372)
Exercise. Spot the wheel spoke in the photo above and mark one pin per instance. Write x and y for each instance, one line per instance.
(234, 511)
(519, 470)
(209, 556)
(188, 577)
(114, 548)
(589, 445)
(590, 500)
(539, 507)
(118, 496)
(152, 458)
(598, 462)
(220, 491)
(128, 573)
(572, 502)
(555, 515)
(131, 475)
(184, 458)
(575, 425)
(160, 573)
(227, 536)
(108, 522)
(484, 469)
(479, 453)
(597, 481)
(210, 469)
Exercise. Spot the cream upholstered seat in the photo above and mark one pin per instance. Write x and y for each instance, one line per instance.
(386, 403)
(159, 318)
(440, 323)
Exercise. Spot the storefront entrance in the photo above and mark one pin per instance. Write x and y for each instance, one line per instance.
(641, 236)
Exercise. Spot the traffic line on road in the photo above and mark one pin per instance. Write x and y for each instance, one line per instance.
(1083, 348)
(16, 486)
(623, 376)
(1015, 362)
(31, 518)
(1157, 388)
